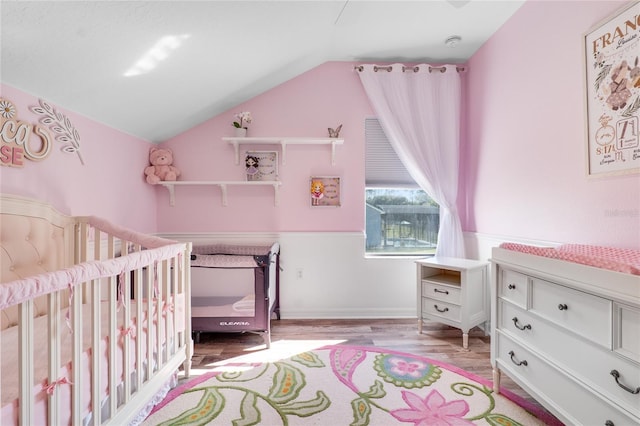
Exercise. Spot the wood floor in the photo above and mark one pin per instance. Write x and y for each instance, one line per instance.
(437, 341)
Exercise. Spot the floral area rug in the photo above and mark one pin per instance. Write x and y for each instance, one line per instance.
(343, 385)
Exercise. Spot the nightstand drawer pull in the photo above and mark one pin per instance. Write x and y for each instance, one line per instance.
(523, 327)
(563, 307)
(436, 290)
(524, 362)
(512, 286)
(616, 376)
(440, 310)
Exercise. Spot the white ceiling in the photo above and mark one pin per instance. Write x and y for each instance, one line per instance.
(75, 53)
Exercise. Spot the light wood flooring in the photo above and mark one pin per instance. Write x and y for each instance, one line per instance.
(437, 341)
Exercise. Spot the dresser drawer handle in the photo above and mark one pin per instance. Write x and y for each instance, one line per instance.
(616, 376)
(608, 423)
(512, 286)
(440, 310)
(563, 307)
(441, 291)
(523, 327)
(524, 362)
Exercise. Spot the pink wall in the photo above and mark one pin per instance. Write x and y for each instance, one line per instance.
(109, 185)
(523, 150)
(525, 140)
(305, 106)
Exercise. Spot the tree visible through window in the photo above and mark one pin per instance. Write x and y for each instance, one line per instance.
(401, 221)
(400, 217)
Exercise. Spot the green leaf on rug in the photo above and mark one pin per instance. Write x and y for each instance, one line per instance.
(210, 405)
(307, 408)
(308, 359)
(361, 412)
(287, 383)
(376, 390)
(501, 420)
(249, 411)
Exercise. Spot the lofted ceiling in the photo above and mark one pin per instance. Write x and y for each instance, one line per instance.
(205, 57)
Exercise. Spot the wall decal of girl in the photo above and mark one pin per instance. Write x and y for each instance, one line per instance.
(317, 192)
(251, 166)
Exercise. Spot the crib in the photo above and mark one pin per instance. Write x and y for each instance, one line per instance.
(235, 288)
(95, 318)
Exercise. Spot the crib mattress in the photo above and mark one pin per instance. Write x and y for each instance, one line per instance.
(214, 306)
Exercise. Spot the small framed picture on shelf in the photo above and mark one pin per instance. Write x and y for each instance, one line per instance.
(261, 165)
(324, 191)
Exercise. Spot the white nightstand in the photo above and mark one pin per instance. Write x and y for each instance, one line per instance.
(454, 292)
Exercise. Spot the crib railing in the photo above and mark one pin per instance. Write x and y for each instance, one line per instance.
(117, 329)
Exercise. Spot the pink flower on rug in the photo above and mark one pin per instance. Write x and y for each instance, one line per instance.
(406, 371)
(404, 368)
(432, 411)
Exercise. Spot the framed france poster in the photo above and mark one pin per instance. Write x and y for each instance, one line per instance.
(612, 73)
(325, 191)
(261, 165)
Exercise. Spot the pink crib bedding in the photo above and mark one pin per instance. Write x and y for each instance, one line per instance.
(49, 261)
(616, 259)
(9, 356)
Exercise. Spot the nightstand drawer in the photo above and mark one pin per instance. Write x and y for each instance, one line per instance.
(514, 287)
(446, 293)
(582, 313)
(438, 308)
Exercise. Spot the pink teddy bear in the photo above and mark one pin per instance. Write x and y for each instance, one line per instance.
(161, 168)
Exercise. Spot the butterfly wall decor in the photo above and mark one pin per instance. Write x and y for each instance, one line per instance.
(334, 133)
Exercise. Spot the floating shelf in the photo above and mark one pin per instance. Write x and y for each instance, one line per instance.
(283, 142)
(223, 187)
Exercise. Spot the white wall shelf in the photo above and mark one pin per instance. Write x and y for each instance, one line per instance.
(223, 187)
(283, 142)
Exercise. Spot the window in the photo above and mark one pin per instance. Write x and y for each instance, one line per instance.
(401, 219)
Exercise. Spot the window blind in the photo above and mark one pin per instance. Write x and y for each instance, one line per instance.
(383, 168)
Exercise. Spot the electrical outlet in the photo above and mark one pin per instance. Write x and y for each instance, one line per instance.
(299, 273)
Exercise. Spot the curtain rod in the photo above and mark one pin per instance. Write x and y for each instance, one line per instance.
(416, 68)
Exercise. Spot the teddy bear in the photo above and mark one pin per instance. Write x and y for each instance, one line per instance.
(161, 168)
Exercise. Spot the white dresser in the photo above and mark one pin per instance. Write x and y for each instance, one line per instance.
(453, 291)
(568, 334)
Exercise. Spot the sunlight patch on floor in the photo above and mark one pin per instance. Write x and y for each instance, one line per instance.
(280, 349)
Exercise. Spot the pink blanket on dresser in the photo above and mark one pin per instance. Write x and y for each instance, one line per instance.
(615, 259)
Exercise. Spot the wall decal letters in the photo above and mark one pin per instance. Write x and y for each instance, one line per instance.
(16, 141)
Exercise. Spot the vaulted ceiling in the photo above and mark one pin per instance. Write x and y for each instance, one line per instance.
(154, 69)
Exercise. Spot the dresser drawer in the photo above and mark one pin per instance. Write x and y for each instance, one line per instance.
(568, 351)
(626, 326)
(549, 384)
(440, 309)
(579, 312)
(446, 293)
(514, 287)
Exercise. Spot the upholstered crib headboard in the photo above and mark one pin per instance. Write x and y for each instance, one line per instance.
(34, 239)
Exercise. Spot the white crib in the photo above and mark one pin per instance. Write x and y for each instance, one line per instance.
(95, 318)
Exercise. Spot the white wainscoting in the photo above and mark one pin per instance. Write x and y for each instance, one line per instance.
(327, 275)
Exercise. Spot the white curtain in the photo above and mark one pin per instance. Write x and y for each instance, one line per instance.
(419, 110)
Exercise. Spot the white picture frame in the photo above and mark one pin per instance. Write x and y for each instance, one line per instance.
(261, 165)
(325, 191)
(612, 79)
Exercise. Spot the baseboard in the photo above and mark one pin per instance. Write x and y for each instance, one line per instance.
(366, 313)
